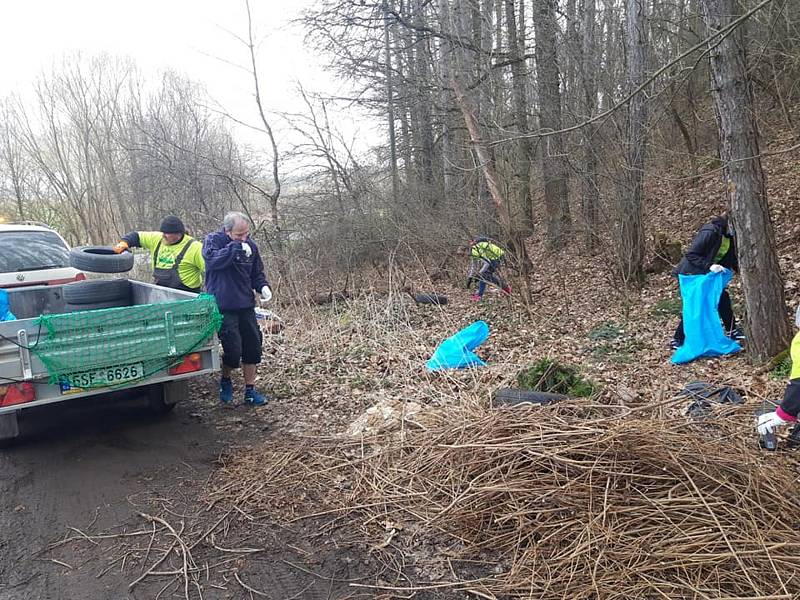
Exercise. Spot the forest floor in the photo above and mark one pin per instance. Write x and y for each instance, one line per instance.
(279, 502)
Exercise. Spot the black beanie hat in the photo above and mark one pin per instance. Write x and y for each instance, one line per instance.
(172, 224)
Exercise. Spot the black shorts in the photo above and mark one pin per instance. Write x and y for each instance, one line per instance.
(241, 338)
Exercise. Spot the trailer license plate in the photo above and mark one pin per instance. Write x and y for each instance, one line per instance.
(78, 382)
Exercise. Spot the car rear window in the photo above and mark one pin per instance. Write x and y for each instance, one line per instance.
(31, 251)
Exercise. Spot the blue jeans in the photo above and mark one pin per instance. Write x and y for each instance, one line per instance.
(489, 274)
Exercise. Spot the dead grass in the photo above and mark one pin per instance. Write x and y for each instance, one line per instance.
(619, 496)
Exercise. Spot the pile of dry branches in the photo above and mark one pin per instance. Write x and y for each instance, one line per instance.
(571, 501)
(576, 502)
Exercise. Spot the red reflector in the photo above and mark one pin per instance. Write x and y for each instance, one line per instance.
(80, 277)
(17, 393)
(192, 362)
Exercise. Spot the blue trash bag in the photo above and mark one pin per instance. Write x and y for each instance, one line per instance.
(5, 311)
(704, 334)
(456, 352)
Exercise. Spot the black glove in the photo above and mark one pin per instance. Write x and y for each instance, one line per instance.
(470, 281)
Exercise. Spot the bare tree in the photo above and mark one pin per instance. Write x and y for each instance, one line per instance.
(387, 47)
(273, 196)
(554, 167)
(765, 305)
(590, 190)
(14, 166)
(524, 158)
(630, 221)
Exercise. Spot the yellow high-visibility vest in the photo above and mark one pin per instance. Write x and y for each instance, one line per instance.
(487, 251)
(723, 249)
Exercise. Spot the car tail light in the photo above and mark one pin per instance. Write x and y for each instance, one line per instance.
(192, 362)
(17, 393)
(80, 277)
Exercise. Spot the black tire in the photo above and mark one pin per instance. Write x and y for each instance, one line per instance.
(96, 305)
(9, 429)
(100, 259)
(512, 397)
(98, 290)
(436, 299)
(162, 397)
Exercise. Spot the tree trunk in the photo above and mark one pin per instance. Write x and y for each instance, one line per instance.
(590, 193)
(390, 104)
(767, 326)
(688, 141)
(446, 59)
(525, 155)
(276, 181)
(554, 168)
(631, 226)
(423, 71)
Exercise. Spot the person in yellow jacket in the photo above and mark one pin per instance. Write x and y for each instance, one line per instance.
(485, 259)
(789, 409)
(176, 257)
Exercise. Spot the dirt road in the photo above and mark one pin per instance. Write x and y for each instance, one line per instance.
(81, 465)
(91, 465)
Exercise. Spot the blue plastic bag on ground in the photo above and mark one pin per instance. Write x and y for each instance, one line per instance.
(5, 311)
(701, 324)
(456, 352)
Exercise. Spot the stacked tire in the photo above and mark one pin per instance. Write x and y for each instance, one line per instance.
(98, 293)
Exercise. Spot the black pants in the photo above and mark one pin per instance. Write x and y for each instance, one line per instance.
(241, 338)
(725, 309)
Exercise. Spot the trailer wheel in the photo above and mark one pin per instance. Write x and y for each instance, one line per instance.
(9, 429)
(162, 397)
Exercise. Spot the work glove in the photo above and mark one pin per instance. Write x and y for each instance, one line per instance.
(248, 251)
(470, 281)
(716, 268)
(767, 423)
(266, 294)
(121, 247)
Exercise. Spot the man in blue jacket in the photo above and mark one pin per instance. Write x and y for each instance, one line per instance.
(233, 272)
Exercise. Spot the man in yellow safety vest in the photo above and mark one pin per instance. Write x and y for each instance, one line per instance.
(485, 260)
(176, 257)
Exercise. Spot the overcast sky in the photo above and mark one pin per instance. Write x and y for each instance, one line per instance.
(190, 36)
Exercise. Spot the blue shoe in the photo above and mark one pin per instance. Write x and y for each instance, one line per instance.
(254, 398)
(225, 391)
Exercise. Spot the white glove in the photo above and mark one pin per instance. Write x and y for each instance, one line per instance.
(767, 423)
(266, 293)
(248, 251)
(716, 268)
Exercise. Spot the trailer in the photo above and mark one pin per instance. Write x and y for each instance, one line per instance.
(156, 338)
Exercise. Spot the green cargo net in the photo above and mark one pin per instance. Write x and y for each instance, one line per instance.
(114, 346)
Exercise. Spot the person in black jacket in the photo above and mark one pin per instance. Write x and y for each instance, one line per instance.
(712, 250)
